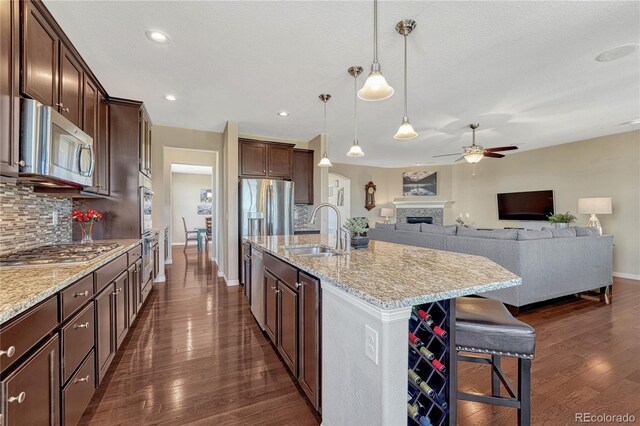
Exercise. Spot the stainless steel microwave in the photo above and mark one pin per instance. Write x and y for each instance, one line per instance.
(52, 148)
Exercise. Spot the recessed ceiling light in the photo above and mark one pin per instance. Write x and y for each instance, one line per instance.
(283, 113)
(170, 97)
(617, 53)
(158, 37)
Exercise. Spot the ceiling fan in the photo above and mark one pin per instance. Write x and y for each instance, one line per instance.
(474, 153)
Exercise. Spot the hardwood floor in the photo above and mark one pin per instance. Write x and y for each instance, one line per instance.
(196, 355)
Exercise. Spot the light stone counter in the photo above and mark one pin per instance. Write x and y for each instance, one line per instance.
(392, 276)
(22, 287)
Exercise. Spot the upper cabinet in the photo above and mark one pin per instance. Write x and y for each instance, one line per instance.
(70, 87)
(259, 159)
(303, 176)
(9, 87)
(145, 142)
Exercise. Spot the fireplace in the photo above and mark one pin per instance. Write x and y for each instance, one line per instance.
(420, 210)
(419, 219)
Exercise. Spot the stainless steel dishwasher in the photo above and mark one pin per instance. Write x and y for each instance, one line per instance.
(257, 285)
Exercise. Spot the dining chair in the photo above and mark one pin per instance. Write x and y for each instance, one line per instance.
(188, 235)
(209, 234)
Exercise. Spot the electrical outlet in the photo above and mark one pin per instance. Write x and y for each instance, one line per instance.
(371, 344)
(55, 218)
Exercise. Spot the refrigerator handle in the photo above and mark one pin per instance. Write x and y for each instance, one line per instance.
(268, 224)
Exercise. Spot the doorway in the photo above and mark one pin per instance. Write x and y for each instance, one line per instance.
(340, 196)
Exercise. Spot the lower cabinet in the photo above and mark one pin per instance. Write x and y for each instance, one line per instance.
(77, 340)
(288, 326)
(120, 302)
(30, 393)
(105, 331)
(78, 392)
(271, 306)
(133, 289)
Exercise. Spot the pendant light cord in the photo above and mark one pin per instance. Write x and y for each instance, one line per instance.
(355, 109)
(375, 30)
(405, 75)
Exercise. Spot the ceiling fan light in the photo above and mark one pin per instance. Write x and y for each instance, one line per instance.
(325, 162)
(405, 131)
(473, 154)
(355, 150)
(376, 87)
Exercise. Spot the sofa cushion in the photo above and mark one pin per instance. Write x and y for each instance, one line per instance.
(380, 225)
(414, 227)
(583, 231)
(534, 235)
(437, 229)
(562, 232)
(494, 234)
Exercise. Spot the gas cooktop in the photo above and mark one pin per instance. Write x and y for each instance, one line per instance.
(59, 253)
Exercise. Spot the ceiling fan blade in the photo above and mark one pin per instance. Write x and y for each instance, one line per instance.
(501, 148)
(493, 155)
(446, 155)
(459, 159)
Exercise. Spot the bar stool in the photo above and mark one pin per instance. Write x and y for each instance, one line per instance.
(485, 326)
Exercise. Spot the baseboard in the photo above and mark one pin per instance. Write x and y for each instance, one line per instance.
(168, 261)
(627, 276)
(160, 279)
(221, 274)
(232, 283)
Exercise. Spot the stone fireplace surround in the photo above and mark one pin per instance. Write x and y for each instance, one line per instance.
(420, 207)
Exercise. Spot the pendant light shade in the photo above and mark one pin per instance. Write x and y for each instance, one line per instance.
(375, 87)
(474, 153)
(355, 150)
(406, 130)
(324, 161)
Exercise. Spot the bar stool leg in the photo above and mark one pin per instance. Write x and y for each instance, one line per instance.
(495, 380)
(524, 391)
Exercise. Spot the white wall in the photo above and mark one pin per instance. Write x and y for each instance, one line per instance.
(185, 195)
(345, 210)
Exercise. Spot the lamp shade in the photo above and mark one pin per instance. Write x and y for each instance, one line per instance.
(386, 212)
(595, 205)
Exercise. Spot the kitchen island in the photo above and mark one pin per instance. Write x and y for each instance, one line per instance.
(367, 302)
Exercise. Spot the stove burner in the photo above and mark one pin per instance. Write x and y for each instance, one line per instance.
(60, 253)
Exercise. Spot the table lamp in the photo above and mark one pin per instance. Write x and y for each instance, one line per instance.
(594, 206)
(386, 213)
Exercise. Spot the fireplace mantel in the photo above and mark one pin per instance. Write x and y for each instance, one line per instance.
(420, 203)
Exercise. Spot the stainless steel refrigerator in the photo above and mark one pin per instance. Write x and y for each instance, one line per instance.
(266, 207)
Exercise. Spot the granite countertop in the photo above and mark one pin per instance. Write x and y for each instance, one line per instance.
(22, 287)
(392, 276)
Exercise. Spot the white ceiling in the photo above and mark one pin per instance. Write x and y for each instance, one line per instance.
(524, 70)
(192, 169)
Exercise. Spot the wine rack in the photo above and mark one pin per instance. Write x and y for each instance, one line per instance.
(432, 372)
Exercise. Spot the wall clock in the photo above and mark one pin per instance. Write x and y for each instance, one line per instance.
(369, 196)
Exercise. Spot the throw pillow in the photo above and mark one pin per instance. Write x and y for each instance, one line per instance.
(494, 234)
(533, 235)
(414, 227)
(583, 231)
(562, 232)
(380, 225)
(437, 229)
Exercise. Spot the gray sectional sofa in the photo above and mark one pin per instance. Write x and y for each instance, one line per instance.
(551, 262)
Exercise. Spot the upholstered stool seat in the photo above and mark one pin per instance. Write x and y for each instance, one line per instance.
(486, 326)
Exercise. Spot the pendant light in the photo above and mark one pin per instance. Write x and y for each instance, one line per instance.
(474, 153)
(355, 150)
(405, 131)
(376, 87)
(325, 162)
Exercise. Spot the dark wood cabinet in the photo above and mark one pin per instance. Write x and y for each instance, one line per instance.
(30, 393)
(39, 56)
(120, 302)
(133, 290)
(70, 87)
(145, 142)
(260, 159)
(90, 107)
(9, 87)
(101, 171)
(246, 276)
(77, 340)
(78, 391)
(105, 331)
(309, 337)
(302, 176)
(288, 326)
(271, 306)
(156, 260)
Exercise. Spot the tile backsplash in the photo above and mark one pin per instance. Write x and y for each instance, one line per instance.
(300, 215)
(26, 218)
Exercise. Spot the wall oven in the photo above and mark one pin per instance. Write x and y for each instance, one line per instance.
(52, 148)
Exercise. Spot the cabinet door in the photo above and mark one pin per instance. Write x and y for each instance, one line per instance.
(288, 326)
(302, 176)
(309, 337)
(71, 80)
(90, 107)
(39, 57)
(271, 306)
(105, 331)
(145, 143)
(138, 285)
(132, 292)
(30, 393)
(101, 145)
(148, 141)
(253, 159)
(120, 297)
(9, 87)
(156, 261)
(246, 267)
(280, 159)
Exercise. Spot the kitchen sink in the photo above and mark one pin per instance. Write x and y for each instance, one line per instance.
(312, 251)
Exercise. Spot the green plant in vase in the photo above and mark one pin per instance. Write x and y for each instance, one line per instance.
(357, 227)
(561, 220)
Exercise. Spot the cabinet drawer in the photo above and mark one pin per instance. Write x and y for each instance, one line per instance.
(134, 254)
(110, 271)
(78, 392)
(75, 296)
(77, 340)
(285, 272)
(27, 330)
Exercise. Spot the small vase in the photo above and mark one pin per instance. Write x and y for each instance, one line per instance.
(359, 242)
(87, 230)
(562, 225)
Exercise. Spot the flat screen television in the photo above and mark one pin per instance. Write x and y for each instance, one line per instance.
(531, 205)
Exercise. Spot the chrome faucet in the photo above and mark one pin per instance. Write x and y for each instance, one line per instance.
(339, 228)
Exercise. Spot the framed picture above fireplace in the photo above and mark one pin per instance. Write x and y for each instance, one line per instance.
(419, 183)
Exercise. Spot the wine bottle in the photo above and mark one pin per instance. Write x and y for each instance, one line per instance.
(440, 332)
(423, 316)
(414, 378)
(415, 340)
(424, 421)
(426, 353)
(413, 412)
(439, 366)
(427, 389)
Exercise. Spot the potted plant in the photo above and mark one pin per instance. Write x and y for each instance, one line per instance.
(561, 220)
(358, 226)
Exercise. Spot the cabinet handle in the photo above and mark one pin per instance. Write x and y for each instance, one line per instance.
(82, 379)
(277, 291)
(59, 104)
(11, 350)
(85, 325)
(82, 293)
(298, 285)
(20, 398)
(20, 163)
(66, 110)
